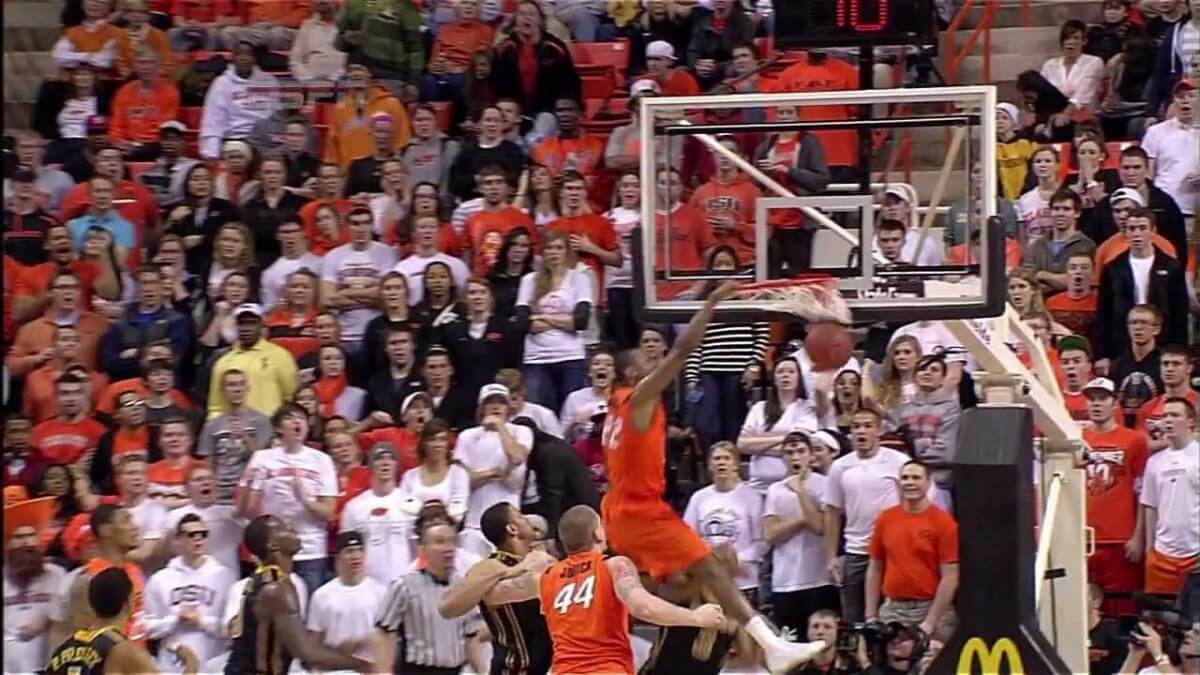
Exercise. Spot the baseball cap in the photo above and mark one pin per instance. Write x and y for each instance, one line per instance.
(347, 539)
(1186, 84)
(660, 49)
(642, 87)
(172, 125)
(248, 308)
(408, 400)
(97, 123)
(897, 192)
(1101, 384)
(490, 390)
(383, 449)
(1127, 193)
(1076, 342)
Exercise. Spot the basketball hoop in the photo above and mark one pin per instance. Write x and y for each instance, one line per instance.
(814, 298)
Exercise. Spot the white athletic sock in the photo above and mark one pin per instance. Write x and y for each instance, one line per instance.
(758, 628)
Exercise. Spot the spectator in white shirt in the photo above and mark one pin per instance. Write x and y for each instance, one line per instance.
(424, 234)
(555, 303)
(1174, 149)
(350, 276)
(728, 514)
(494, 453)
(437, 477)
(294, 256)
(1077, 75)
(378, 515)
(341, 614)
(786, 409)
(794, 526)
(297, 484)
(898, 204)
(185, 600)
(313, 55)
(1171, 501)
(224, 527)
(582, 405)
(861, 485)
(543, 417)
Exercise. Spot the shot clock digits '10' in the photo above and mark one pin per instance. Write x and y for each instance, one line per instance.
(845, 23)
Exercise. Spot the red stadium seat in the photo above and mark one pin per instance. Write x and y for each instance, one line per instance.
(191, 116)
(617, 105)
(615, 54)
(597, 86)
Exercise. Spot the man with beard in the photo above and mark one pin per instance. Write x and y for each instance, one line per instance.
(271, 607)
(505, 587)
(31, 585)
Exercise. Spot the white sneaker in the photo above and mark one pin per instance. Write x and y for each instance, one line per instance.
(782, 656)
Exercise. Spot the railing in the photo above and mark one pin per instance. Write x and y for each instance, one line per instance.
(955, 57)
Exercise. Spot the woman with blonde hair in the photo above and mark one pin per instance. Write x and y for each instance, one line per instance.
(1025, 295)
(895, 376)
(554, 306)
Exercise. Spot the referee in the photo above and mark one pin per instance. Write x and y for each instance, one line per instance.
(409, 631)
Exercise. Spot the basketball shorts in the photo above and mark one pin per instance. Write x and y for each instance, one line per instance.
(1111, 570)
(653, 536)
(1165, 574)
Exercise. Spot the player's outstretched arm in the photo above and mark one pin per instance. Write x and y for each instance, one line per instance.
(492, 582)
(649, 390)
(277, 604)
(650, 608)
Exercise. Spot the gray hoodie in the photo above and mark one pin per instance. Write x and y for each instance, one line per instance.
(932, 422)
(429, 161)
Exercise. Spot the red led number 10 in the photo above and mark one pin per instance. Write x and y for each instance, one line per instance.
(852, 15)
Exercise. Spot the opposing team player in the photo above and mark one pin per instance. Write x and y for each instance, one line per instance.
(103, 649)
(587, 600)
(641, 524)
(268, 633)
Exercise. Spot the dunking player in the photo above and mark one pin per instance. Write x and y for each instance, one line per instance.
(641, 524)
(505, 586)
(268, 633)
(587, 600)
(102, 649)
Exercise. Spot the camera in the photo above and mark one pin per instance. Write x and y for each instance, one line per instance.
(874, 633)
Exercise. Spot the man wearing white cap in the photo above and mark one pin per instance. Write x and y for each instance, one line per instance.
(494, 453)
(623, 152)
(269, 367)
(898, 205)
(660, 65)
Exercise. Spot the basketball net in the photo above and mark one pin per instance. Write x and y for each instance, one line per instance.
(813, 298)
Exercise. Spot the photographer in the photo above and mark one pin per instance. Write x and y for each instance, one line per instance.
(902, 652)
(1145, 640)
(843, 654)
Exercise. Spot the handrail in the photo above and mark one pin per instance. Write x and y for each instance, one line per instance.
(955, 57)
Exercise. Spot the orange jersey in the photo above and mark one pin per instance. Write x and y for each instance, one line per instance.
(135, 629)
(634, 459)
(737, 199)
(588, 623)
(170, 481)
(1114, 473)
(690, 237)
(457, 41)
(484, 235)
(59, 442)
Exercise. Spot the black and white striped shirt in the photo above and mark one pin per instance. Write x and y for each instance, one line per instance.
(410, 610)
(728, 348)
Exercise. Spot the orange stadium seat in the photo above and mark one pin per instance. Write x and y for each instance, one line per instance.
(615, 54)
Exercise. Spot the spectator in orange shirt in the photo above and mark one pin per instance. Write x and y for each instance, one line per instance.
(819, 72)
(131, 436)
(914, 559)
(728, 203)
(268, 22)
(350, 135)
(140, 36)
(571, 150)
(660, 65)
(93, 42)
(198, 23)
(451, 54)
(73, 435)
(1075, 357)
(1075, 307)
(1114, 471)
(97, 276)
(168, 476)
(592, 236)
(33, 347)
(1175, 368)
(484, 232)
(40, 400)
(141, 107)
(691, 238)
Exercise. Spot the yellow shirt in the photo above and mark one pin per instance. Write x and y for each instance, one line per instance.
(271, 374)
(1012, 163)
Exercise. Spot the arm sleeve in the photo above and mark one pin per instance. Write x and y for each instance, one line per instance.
(390, 617)
(160, 620)
(214, 119)
(833, 488)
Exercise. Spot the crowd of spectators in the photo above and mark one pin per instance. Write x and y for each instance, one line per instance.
(367, 267)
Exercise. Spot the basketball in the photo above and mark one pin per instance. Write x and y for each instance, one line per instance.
(829, 345)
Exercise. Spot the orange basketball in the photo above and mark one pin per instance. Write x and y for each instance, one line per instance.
(829, 345)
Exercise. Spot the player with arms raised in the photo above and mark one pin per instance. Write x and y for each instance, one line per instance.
(641, 524)
(587, 600)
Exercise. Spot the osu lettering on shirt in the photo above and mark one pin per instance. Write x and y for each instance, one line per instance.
(738, 199)
(1114, 474)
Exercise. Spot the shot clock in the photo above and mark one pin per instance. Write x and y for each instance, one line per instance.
(848, 23)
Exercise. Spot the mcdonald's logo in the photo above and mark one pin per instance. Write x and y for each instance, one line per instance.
(990, 659)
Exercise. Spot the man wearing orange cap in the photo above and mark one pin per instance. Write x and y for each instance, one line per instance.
(31, 586)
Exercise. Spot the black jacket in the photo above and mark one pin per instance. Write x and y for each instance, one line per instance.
(263, 220)
(556, 76)
(1168, 292)
(387, 394)
(562, 478)
(471, 158)
(457, 408)
(476, 361)
(219, 212)
(1168, 221)
(375, 339)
